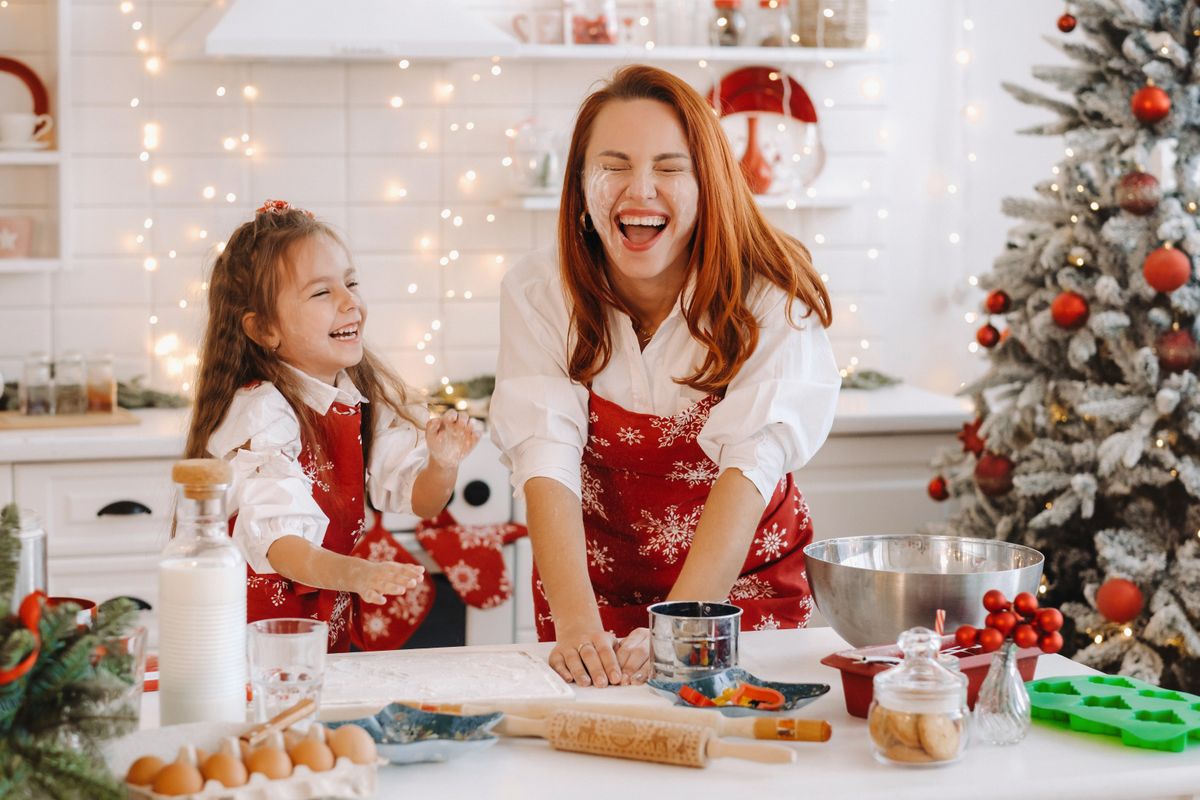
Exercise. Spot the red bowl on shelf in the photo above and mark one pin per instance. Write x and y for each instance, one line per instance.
(858, 675)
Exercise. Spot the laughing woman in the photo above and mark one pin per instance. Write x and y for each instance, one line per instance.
(662, 373)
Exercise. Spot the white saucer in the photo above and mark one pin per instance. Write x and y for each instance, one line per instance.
(33, 145)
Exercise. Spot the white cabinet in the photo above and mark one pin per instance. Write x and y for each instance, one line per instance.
(6, 488)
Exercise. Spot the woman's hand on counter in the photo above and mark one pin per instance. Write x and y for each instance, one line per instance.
(633, 653)
(586, 658)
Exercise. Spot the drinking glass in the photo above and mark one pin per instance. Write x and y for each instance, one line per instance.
(287, 663)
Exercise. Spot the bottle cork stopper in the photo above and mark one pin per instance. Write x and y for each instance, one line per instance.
(200, 476)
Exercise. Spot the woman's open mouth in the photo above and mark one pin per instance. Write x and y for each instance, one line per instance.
(641, 231)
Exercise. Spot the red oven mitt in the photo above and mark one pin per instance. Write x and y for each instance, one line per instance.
(471, 557)
(388, 626)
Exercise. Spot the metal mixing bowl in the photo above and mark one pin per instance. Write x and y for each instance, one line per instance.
(872, 588)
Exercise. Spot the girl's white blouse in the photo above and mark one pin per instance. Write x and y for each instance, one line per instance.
(776, 413)
(271, 492)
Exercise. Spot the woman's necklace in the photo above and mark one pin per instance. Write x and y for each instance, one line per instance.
(644, 334)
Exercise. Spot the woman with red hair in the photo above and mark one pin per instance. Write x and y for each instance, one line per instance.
(662, 373)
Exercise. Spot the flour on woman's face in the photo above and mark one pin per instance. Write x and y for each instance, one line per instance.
(641, 189)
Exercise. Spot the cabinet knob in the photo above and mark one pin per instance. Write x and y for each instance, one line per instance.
(123, 508)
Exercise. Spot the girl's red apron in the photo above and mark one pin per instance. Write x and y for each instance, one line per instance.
(644, 484)
(337, 486)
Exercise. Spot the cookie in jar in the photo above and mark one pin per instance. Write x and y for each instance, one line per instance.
(919, 711)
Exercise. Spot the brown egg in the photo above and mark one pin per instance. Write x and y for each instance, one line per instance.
(313, 754)
(292, 737)
(143, 771)
(352, 742)
(225, 769)
(270, 761)
(178, 777)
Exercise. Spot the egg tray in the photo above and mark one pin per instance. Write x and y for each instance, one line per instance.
(1142, 714)
(346, 779)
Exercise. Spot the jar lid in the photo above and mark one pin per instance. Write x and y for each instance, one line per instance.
(202, 478)
(920, 684)
(727, 3)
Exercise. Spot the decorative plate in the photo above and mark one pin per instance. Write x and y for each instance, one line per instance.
(406, 735)
(795, 695)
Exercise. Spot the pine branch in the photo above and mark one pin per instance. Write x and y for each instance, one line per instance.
(10, 523)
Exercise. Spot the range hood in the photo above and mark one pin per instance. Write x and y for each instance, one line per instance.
(339, 30)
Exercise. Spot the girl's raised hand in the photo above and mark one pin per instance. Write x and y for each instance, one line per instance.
(373, 581)
(450, 438)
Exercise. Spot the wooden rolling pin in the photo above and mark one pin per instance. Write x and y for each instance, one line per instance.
(788, 729)
(642, 739)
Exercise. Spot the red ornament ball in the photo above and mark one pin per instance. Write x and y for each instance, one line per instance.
(998, 302)
(993, 474)
(1150, 104)
(1025, 604)
(1069, 310)
(1139, 193)
(1049, 620)
(1066, 23)
(1003, 621)
(1119, 600)
(1025, 636)
(966, 636)
(990, 639)
(1176, 350)
(1050, 643)
(937, 489)
(988, 336)
(995, 601)
(1166, 269)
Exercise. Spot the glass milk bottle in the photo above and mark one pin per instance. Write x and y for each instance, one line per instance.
(202, 604)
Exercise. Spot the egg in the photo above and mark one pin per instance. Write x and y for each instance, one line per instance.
(143, 771)
(178, 777)
(352, 742)
(225, 769)
(313, 754)
(270, 761)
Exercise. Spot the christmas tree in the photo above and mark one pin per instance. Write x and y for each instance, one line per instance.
(1087, 444)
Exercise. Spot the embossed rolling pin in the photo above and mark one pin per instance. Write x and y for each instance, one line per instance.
(787, 729)
(642, 739)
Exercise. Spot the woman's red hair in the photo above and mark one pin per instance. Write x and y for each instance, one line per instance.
(733, 246)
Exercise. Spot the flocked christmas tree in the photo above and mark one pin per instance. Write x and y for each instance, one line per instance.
(1087, 445)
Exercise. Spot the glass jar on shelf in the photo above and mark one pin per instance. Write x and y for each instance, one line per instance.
(101, 385)
(70, 385)
(772, 24)
(37, 386)
(728, 25)
(918, 715)
(591, 21)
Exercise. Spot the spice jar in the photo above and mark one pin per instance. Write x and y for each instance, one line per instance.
(592, 21)
(70, 385)
(37, 390)
(101, 385)
(919, 711)
(728, 24)
(772, 24)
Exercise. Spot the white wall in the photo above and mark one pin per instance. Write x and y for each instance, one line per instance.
(327, 139)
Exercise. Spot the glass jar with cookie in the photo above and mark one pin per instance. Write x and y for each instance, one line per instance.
(918, 716)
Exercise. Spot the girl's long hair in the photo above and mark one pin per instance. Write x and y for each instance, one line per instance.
(732, 248)
(248, 276)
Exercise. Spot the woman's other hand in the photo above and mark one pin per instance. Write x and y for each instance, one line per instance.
(633, 654)
(450, 438)
(587, 658)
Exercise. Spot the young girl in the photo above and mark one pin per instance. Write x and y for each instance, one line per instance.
(309, 418)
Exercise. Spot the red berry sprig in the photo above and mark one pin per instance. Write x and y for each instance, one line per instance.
(1021, 620)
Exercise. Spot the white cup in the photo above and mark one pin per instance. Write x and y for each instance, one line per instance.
(17, 127)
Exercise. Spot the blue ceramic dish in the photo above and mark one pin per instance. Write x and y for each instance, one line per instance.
(407, 735)
(795, 695)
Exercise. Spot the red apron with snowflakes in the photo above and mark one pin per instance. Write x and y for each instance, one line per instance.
(337, 486)
(389, 625)
(644, 482)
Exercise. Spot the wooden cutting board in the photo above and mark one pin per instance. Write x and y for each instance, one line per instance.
(16, 421)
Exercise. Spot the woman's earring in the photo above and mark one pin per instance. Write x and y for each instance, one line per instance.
(585, 222)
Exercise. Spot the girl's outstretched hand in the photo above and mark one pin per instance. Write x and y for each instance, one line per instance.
(373, 581)
(450, 438)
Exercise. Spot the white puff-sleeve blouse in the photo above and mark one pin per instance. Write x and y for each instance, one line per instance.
(775, 415)
(271, 493)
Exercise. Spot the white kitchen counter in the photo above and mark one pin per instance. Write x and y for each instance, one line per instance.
(1050, 763)
(897, 409)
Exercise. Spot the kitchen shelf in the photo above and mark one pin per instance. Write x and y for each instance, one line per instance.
(667, 54)
(550, 202)
(30, 158)
(30, 264)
